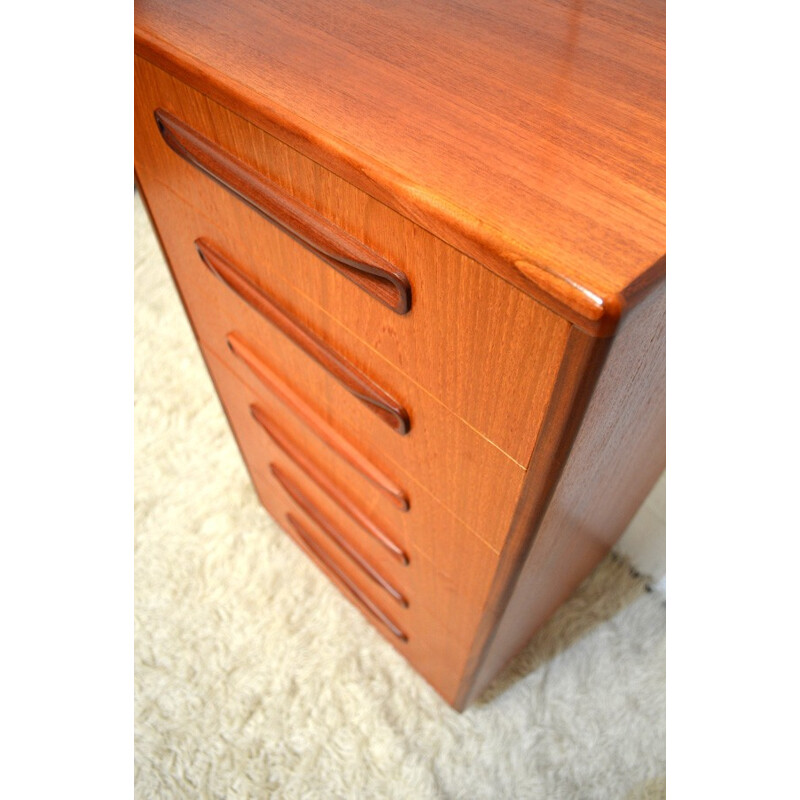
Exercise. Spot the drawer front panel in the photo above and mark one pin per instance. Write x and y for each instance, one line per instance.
(486, 350)
(359, 384)
(344, 542)
(368, 270)
(470, 476)
(447, 567)
(436, 652)
(351, 454)
(443, 607)
(428, 605)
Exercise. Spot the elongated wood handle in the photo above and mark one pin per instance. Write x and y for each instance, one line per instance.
(337, 248)
(324, 560)
(347, 374)
(293, 452)
(331, 437)
(327, 527)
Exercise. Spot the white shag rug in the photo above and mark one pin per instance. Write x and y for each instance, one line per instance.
(254, 678)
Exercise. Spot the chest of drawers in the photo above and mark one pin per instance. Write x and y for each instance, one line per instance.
(422, 252)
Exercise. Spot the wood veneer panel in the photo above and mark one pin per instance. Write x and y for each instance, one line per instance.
(445, 596)
(483, 348)
(434, 651)
(369, 271)
(467, 473)
(615, 458)
(230, 272)
(465, 565)
(530, 135)
(527, 138)
(331, 438)
(341, 539)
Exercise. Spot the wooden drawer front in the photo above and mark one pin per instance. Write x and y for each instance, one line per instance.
(486, 350)
(437, 653)
(469, 475)
(431, 614)
(427, 602)
(445, 563)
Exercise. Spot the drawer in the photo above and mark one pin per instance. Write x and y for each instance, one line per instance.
(411, 598)
(474, 479)
(436, 652)
(429, 614)
(484, 349)
(427, 553)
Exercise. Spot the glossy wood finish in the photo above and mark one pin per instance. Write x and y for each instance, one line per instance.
(324, 432)
(345, 254)
(471, 477)
(293, 452)
(614, 456)
(349, 376)
(470, 341)
(507, 161)
(427, 531)
(446, 594)
(429, 643)
(450, 568)
(530, 135)
(361, 599)
(325, 525)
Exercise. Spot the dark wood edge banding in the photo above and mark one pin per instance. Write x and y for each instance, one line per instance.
(330, 530)
(322, 558)
(300, 408)
(293, 452)
(348, 375)
(367, 269)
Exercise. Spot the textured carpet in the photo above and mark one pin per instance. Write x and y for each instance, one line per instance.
(254, 678)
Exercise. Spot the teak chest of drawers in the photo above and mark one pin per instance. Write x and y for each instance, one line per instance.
(422, 251)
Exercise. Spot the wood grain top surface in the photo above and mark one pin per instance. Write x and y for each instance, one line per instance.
(530, 135)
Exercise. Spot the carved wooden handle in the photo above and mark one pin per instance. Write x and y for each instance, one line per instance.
(332, 438)
(322, 557)
(327, 527)
(292, 451)
(353, 259)
(355, 381)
